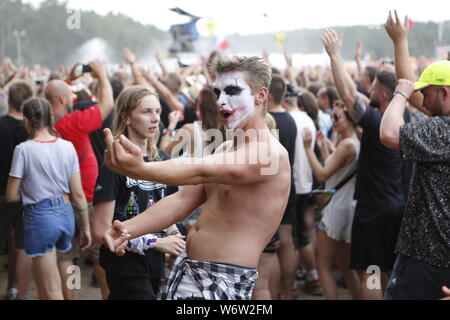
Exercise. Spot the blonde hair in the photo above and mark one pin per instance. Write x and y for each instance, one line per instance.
(272, 125)
(127, 101)
(260, 71)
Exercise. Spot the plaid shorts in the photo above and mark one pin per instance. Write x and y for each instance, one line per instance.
(197, 280)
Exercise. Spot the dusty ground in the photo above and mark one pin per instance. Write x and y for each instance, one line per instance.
(87, 292)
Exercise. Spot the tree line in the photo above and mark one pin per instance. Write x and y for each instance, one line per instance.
(50, 42)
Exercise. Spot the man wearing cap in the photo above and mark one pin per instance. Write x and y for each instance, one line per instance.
(422, 267)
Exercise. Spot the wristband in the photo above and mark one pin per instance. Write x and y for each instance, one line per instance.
(170, 131)
(402, 94)
(83, 210)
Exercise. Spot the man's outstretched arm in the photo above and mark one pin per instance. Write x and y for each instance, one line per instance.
(344, 83)
(163, 214)
(237, 167)
(398, 33)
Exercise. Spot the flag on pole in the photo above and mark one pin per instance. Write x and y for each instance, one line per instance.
(280, 37)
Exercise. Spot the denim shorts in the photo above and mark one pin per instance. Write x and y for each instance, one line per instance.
(48, 224)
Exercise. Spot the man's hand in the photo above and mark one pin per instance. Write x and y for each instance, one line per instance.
(405, 86)
(173, 245)
(332, 42)
(98, 70)
(74, 74)
(122, 156)
(395, 29)
(116, 238)
(128, 56)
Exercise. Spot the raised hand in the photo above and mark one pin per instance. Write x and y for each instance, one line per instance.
(74, 74)
(98, 69)
(128, 56)
(396, 30)
(122, 156)
(332, 41)
(175, 117)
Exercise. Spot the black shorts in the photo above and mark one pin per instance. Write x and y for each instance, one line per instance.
(288, 217)
(414, 280)
(299, 232)
(130, 287)
(374, 237)
(11, 215)
(274, 243)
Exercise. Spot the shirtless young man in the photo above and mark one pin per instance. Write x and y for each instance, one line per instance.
(243, 202)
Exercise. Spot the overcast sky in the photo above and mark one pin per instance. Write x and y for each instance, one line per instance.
(251, 16)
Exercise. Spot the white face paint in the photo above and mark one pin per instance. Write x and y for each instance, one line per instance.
(234, 98)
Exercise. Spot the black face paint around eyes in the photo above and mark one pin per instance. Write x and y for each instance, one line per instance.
(217, 92)
(233, 90)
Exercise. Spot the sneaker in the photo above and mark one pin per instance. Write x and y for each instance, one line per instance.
(313, 287)
(300, 274)
(27, 298)
(11, 294)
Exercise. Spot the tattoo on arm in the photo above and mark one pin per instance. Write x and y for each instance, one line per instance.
(358, 110)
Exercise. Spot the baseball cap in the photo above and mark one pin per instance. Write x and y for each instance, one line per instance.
(436, 74)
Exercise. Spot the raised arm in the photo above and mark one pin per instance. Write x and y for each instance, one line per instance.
(163, 91)
(105, 96)
(358, 54)
(344, 83)
(393, 116)
(290, 72)
(130, 58)
(163, 67)
(398, 32)
(344, 154)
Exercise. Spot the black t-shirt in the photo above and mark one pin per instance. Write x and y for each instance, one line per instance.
(381, 180)
(287, 130)
(12, 133)
(132, 198)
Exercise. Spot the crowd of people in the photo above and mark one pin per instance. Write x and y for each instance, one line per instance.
(361, 180)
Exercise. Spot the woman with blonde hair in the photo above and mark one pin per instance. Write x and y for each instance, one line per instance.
(137, 274)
